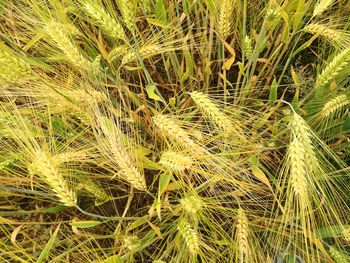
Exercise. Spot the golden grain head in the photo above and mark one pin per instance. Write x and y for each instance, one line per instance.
(298, 172)
(48, 169)
(190, 236)
(334, 105)
(175, 161)
(191, 205)
(210, 109)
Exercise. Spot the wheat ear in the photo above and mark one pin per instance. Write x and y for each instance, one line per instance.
(346, 234)
(65, 44)
(321, 6)
(125, 162)
(298, 169)
(95, 189)
(175, 161)
(118, 52)
(120, 154)
(303, 133)
(210, 109)
(334, 105)
(12, 68)
(132, 242)
(330, 72)
(44, 166)
(224, 19)
(191, 204)
(173, 131)
(247, 47)
(128, 9)
(333, 36)
(146, 6)
(107, 23)
(190, 236)
(242, 235)
(338, 257)
(146, 51)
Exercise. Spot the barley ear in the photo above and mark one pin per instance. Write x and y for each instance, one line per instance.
(332, 70)
(13, 69)
(175, 161)
(145, 51)
(298, 169)
(224, 18)
(107, 23)
(190, 236)
(321, 6)
(333, 36)
(67, 46)
(128, 9)
(168, 127)
(44, 166)
(247, 47)
(334, 105)
(242, 235)
(338, 256)
(191, 204)
(210, 109)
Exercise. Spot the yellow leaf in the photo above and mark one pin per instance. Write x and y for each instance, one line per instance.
(260, 175)
(156, 230)
(228, 63)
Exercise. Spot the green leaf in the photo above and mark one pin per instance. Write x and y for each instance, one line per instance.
(45, 252)
(150, 88)
(160, 11)
(273, 91)
(113, 259)
(54, 209)
(85, 224)
(163, 182)
(346, 126)
(159, 23)
(331, 231)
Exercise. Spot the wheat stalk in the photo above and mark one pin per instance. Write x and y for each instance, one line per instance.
(12, 68)
(224, 19)
(44, 166)
(242, 235)
(190, 236)
(333, 36)
(175, 161)
(334, 105)
(173, 131)
(338, 257)
(191, 205)
(212, 110)
(338, 63)
(64, 43)
(321, 6)
(107, 23)
(146, 51)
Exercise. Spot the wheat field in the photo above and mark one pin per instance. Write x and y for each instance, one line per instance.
(172, 131)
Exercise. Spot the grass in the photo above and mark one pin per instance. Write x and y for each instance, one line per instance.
(174, 131)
